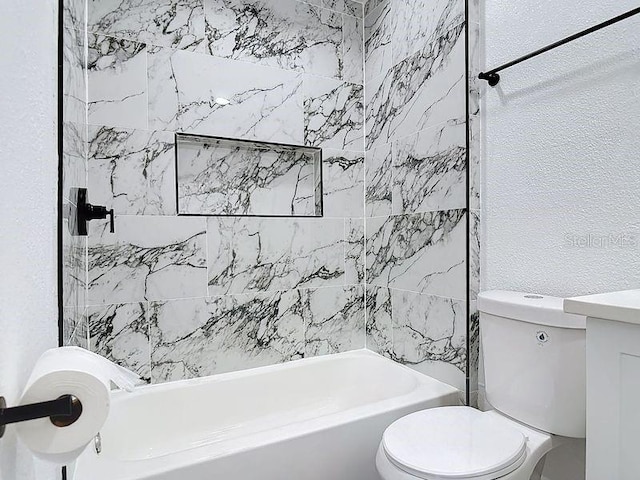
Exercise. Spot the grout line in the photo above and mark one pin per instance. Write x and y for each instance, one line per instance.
(363, 259)
(343, 286)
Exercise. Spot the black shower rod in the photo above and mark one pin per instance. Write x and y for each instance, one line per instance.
(492, 76)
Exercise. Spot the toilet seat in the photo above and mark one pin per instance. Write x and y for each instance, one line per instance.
(454, 443)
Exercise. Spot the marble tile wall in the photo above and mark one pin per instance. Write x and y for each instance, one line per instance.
(177, 297)
(74, 167)
(476, 60)
(416, 184)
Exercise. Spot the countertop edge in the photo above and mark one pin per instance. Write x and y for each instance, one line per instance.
(605, 306)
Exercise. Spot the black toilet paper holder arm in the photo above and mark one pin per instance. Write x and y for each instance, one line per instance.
(63, 411)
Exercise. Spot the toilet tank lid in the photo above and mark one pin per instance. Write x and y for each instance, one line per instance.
(529, 307)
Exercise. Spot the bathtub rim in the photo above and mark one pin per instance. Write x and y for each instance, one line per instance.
(426, 390)
(249, 372)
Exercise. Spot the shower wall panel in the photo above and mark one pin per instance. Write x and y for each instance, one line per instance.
(476, 49)
(74, 168)
(416, 190)
(178, 297)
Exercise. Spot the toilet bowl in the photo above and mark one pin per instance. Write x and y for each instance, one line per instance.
(535, 377)
(462, 443)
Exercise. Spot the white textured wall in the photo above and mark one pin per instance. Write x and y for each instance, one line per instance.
(561, 157)
(28, 312)
(561, 148)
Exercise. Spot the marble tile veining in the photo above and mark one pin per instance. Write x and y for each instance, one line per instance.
(422, 252)
(147, 258)
(333, 114)
(476, 87)
(265, 103)
(354, 7)
(74, 69)
(379, 321)
(259, 254)
(423, 90)
(429, 329)
(117, 84)
(223, 334)
(474, 253)
(132, 171)
(74, 157)
(343, 183)
(416, 23)
(74, 327)
(335, 320)
(377, 41)
(352, 48)
(475, 11)
(354, 251)
(475, 60)
(280, 33)
(168, 23)
(74, 12)
(370, 5)
(379, 181)
(474, 347)
(74, 265)
(236, 332)
(429, 169)
(182, 297)
(475, 161)
(120, 333)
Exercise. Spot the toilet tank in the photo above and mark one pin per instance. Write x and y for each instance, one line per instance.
(534, 360)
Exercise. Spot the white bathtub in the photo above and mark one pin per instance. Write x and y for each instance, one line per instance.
(313, 419)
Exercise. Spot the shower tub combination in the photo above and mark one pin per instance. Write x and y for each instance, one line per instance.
(312, 419)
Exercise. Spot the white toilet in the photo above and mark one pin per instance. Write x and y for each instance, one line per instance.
(534, 363)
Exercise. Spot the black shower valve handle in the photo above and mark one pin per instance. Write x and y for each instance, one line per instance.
(80, 212)
(98, 212)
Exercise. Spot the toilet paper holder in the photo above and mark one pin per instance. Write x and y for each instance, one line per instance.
(63, 411)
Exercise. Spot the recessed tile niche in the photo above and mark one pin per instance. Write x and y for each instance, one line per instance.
(231, 177)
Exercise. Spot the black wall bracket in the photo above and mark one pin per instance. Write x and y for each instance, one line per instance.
(79, 212)
(62, 412)
(492, 78)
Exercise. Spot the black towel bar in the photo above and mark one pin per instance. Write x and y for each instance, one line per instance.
(492, 77)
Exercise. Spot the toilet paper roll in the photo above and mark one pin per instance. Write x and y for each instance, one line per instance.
(70, 371)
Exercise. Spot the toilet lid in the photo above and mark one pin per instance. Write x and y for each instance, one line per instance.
(454, 442)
